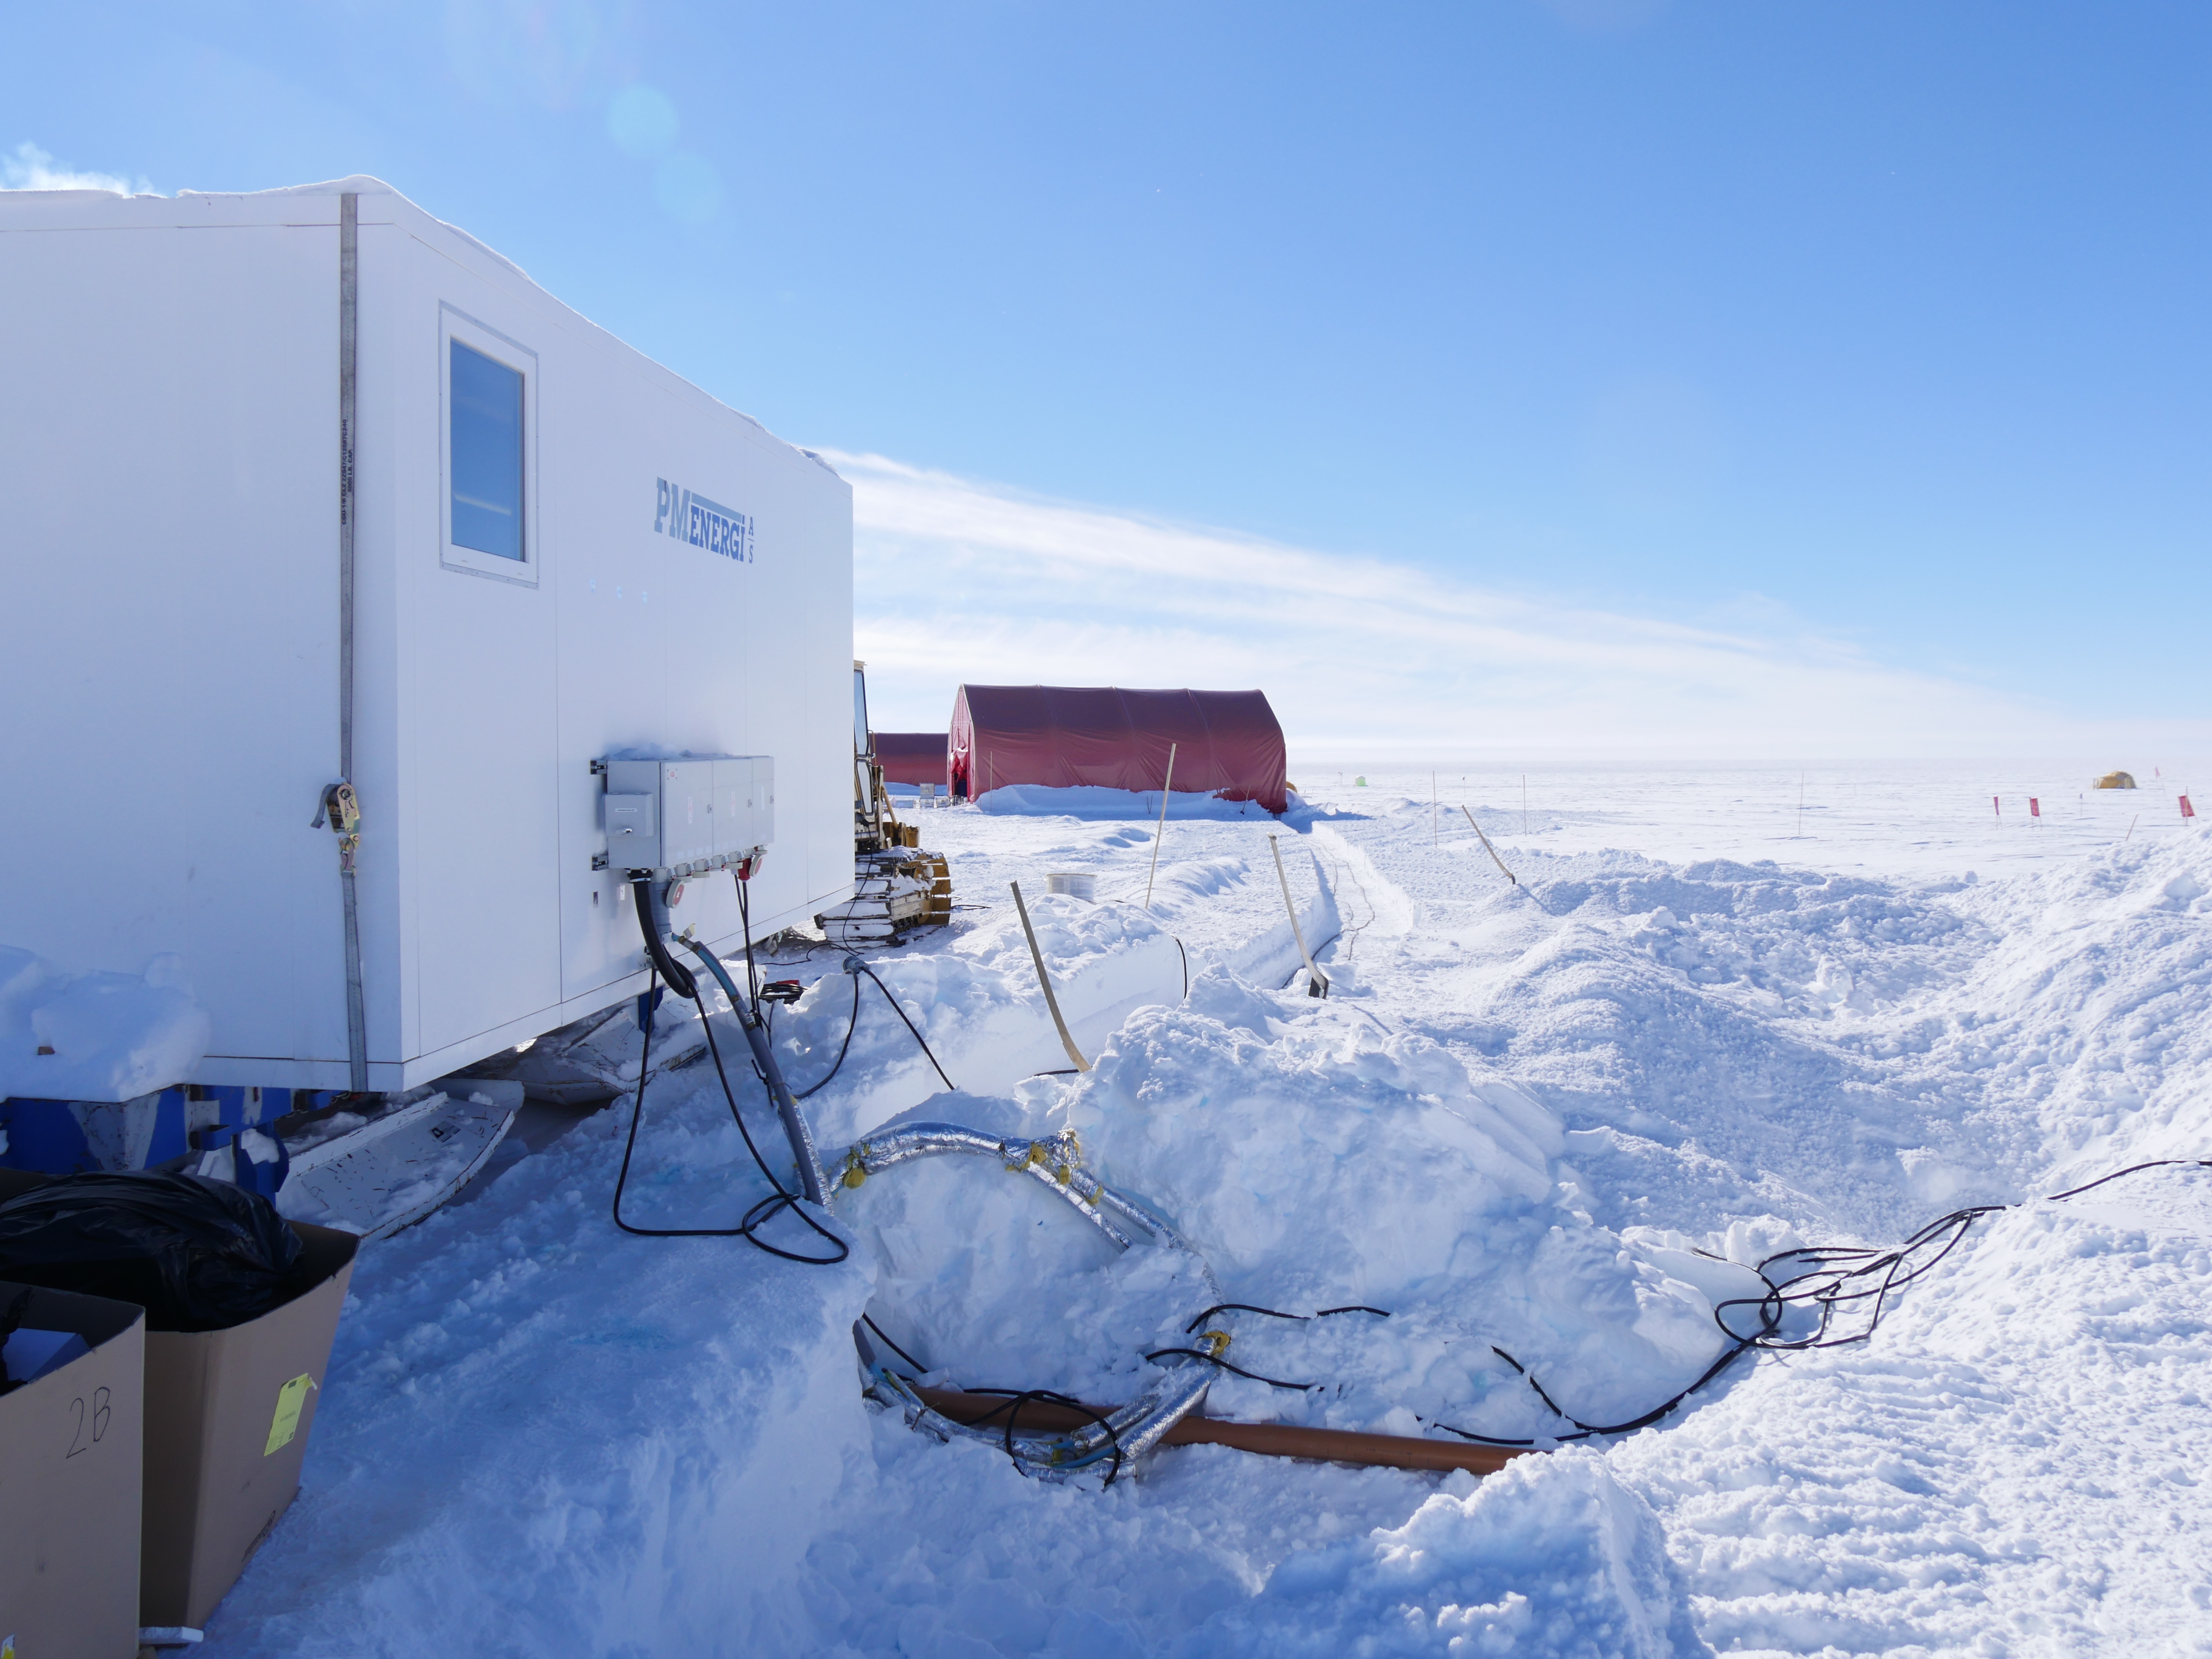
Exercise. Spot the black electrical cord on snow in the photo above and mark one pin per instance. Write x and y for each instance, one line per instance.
(1847, 1279)
(1214, 1358)
(919, 1368)
(1017, 1397)
(851, 1025)
(863, 967)
(666, 966)
(856, 967)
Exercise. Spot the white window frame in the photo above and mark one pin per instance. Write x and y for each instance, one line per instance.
(453, 325)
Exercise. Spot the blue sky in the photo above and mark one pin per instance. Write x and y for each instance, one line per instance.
(1871, 335)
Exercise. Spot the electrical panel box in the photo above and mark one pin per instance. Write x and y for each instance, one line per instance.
(687, 816)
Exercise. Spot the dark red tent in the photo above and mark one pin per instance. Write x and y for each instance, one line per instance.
(911, 756)
(1226, 741)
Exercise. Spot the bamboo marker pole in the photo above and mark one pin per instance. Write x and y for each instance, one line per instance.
(1488, 849)
(1051, 1002)
(1160, 834)
(1314, 975)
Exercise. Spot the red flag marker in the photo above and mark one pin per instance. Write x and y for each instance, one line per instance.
(2034, 807)
(2187, 811)
(1996, 806)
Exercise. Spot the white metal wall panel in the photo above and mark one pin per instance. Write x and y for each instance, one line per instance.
(168, 494)
(168, 641)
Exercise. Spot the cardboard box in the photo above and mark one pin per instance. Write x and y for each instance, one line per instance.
(228, 1414)
(70, 1483)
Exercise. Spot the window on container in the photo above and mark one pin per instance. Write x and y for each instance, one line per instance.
(486, 463)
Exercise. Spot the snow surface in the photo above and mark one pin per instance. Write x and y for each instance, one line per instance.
(104, 1037)
(1520, 1116)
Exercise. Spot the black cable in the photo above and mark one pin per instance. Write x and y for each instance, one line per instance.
(1274, 1313)
(919, 1368)
(1019, 1397)
(851, 1025)
(1237, 1307)
(778, 1198)
(1216, 1359)
(1847, 1278)
(2155, 1164)
(656, 949)
(745, 929)
(900, 1012)
(1479, 1439)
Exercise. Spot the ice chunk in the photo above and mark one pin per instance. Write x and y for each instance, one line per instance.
(101, 1037)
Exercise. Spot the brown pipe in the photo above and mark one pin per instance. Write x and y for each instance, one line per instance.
(1394, 1451)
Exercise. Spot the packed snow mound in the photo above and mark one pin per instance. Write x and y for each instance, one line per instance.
(108, 1036)
(1594, 1097)
(1965, 1505)
(1314, 1162)
(1552, 1556)
(1735, 1041)
(1090, 800)
(979, 1006)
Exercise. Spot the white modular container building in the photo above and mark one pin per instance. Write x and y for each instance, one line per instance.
(560, 553)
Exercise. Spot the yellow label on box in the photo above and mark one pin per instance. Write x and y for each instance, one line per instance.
(285, 1426)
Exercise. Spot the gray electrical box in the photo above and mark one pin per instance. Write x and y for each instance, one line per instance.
(685, 817)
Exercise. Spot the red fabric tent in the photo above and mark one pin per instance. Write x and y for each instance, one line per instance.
(911, 756)
(1226, 741)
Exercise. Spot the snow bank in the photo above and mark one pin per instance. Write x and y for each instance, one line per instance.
(110, 1036)
(1546, 1102)
(979, 1005)
(2014, 1465)
(539, 1436)
(1551, 1557)
(1090, 800)
(1314, 1162)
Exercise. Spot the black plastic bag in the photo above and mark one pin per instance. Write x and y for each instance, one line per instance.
(197, 1255)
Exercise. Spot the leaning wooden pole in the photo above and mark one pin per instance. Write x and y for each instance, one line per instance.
(1316, 981)
(1044, 979)
(1160, 835)
(1488, 849)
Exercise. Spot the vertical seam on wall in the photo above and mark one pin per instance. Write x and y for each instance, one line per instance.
(348, 330)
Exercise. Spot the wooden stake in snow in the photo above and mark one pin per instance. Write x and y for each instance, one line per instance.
(1160, 835)
(1051, 1002)
(1316, 981)
(1488, 849)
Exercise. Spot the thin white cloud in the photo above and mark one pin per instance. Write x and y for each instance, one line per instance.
(961, 580)
(28, 167)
